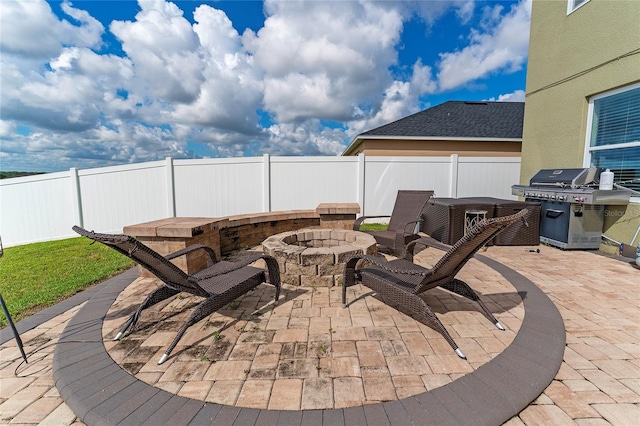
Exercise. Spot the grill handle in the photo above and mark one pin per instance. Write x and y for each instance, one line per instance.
(554, 214)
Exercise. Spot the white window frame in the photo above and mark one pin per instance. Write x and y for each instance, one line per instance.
(587, 146)
(571, 5)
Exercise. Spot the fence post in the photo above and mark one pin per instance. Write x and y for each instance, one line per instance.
(453, 190)
(171, 193)
(76, 197)
(361, 182)
(266, 183)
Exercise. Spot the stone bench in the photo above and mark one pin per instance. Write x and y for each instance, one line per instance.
(227, 234)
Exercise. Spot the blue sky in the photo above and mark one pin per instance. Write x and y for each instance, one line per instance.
(96, 83)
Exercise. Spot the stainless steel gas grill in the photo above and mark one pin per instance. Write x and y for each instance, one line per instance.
(572, 206)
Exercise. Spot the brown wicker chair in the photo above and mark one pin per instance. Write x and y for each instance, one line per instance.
(407, 213)
(219, 284)
(399, 282)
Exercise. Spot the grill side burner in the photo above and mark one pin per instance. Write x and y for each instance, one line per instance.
(572, 208)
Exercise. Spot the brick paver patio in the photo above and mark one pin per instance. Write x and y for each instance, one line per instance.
(309, 353)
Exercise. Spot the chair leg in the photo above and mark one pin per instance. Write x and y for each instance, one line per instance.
(202, 311)
(349, 278)
(394, 296)
(460, 287)
(156, 296)
(277, 297)
(272, 276)
(423, 313)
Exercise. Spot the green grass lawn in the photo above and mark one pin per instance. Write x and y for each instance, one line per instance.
(373, 226)
(36, 276)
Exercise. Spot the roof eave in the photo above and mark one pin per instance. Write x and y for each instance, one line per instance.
(440, 138)
(358, 140)
(352, 146)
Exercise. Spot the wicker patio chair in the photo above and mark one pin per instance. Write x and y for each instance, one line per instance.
(399, 282)
(407, 213)
(219, 284)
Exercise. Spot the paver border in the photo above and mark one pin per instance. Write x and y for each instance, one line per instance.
(100, 392)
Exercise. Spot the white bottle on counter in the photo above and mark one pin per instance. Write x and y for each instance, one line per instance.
(606, 180)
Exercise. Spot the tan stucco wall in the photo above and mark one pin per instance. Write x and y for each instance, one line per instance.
(562, 46)
(395, 147)
(621, 223)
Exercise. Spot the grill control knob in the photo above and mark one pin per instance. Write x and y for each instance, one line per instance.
(553, 197)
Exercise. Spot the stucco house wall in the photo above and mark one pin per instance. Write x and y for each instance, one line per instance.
(573, 57)
(464, 148)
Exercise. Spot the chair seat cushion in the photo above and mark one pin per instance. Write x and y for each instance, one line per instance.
(387, 238)
(220, 284)
(405, 282)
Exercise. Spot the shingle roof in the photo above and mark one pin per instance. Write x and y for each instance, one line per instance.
(459, 119)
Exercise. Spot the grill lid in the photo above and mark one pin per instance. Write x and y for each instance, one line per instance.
(573, 178)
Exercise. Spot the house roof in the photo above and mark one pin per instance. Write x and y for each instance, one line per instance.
(460, 119)
(454, 120)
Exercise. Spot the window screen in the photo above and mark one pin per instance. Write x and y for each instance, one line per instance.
(614, 140)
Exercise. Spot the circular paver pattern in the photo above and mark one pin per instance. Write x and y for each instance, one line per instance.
(98, 389)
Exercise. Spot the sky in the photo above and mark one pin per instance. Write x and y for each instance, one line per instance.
(98, 83)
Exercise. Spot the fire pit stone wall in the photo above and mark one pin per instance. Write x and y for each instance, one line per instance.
(316, 257)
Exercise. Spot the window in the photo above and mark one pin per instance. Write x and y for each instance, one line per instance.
(574, 4)
(613, 134)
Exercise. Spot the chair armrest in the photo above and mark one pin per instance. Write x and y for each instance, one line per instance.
(413, 222)
(350, 267)
(211, 254)
(351, 274)
(273, 269)
(358, 222)
(427, 242)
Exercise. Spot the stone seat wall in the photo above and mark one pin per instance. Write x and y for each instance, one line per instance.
(227, 234)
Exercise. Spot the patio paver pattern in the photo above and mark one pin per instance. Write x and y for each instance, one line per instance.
(598, 381)
(308, 352)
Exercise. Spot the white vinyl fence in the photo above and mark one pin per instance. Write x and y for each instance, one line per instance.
(45, 207)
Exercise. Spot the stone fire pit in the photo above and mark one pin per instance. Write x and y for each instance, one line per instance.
(316, 257)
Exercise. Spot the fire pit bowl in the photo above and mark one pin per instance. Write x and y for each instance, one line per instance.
(316, 257)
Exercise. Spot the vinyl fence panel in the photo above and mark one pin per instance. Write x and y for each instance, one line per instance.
(304, 182)
(44, 207)
(112, 197)
(36, 208)
(386, 175)
(218, 187)
(487, 177)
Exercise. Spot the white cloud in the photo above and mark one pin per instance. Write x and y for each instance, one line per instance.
(164, 50)
(7, 128)
(431, 11)
(307, 138)
(232, 88)
(516, 96)
(501, 45)
(400, 99)
(121, 143)
(316, 74)
(322, 59)
(70, 96)
(29, 28)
